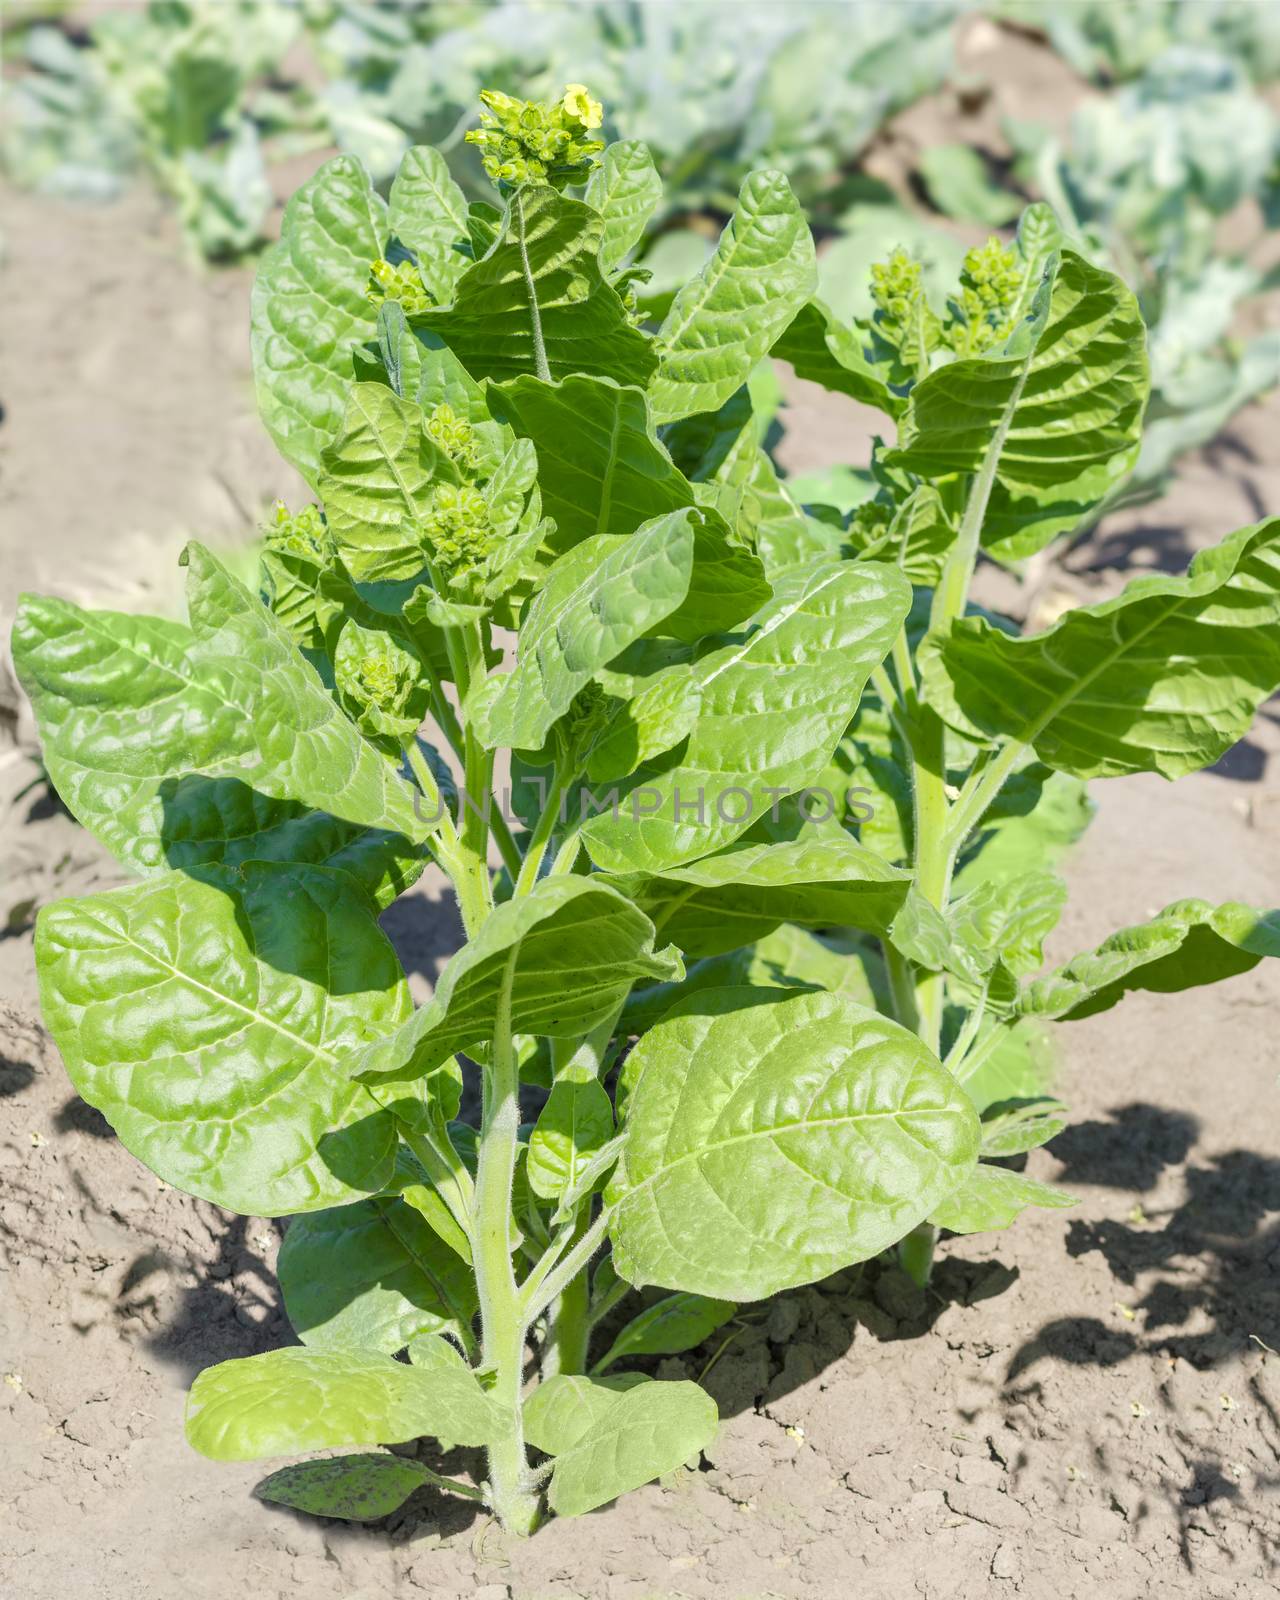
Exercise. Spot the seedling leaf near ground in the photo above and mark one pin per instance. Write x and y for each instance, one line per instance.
(767, 933)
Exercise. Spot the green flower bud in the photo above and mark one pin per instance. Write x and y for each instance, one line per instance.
(381, 683)
(303, 533)
(990, 287)
(458, 531)
(402, 283)
(455, 436)
(904, 318)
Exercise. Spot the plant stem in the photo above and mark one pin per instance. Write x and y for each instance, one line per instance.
(915, 1253)
(933, 859)
(502, 1324)
(547, 1280)
(543, 830)
(570, 1328)
(535, 314)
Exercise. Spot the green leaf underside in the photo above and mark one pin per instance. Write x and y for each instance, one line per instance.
(428, 213)
(771, 1141)
(573, 946)
(727, 318)
(562, 1408)
(596, 600)
(991, 1198)
(1164, 678)
(647, 1431)
(823, 351)
(296, 1399)
(673, 1324)
(310, 310)
(352, 1488)
(547, 255)
(1062, 402)
(734, 898)
(773, 706)
(208, 1016)
(127, 704)
(371, 1276)
(1188, 944)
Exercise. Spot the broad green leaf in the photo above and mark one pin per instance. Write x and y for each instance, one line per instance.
(773, 705)
(542, 281)
(562, 1408)
(428, 212)
(290, 1400)
(1018, 840)
(771, 1141)
(1055, 412)
(569, 950)
(354, 1488)
(736, 897)
(1188, 944)
(1164, 678)
(655, 719)
(207, 822)
(596, 599)
(729, 316)
(205, 1016)
(1020, 1064)
(625, 189)
(310, 309)
(371, 1276)
(600, 467)
(675, 1323)
(649, 1430)
(377, 482)
(787, 958)
(828, 352)
(990, 1198)
(128, 705)
(433, 1350)
(575, 1123)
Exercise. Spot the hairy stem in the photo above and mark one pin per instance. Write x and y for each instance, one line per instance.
(535, 314)
(511, 1494)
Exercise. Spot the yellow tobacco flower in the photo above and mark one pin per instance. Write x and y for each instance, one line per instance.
(578, 103)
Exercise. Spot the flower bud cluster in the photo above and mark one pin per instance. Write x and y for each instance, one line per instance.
(524, 141)
(401, 283)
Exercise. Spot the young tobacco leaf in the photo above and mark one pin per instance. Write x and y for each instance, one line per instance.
(767, 934)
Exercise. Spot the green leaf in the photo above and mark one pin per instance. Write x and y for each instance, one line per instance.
(428, 213)
(377, 482)
(771, 1141)
(354, 1488)
(371, 1276)
(562, 1408)
(773, 705)
(542, 280)
(1019, 1065)
(1188, 944)
(310, 309)
(625, 189)
(738, 896)
(1164, 678)
(600, 468)
(208, 1017)
(289, 1400)
(126, 705)
(576, 1121)
(673, 1324)
(595, 600)
(570, 950)
(991, 1198)
(648, 1430)
(655, 719)
(1024, 1126)
(1056, 410)
(1005, 921)
(728, 317)
(825, 351)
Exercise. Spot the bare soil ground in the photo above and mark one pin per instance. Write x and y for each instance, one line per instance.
(1087, 1404)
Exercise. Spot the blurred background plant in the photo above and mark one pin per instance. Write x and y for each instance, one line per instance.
(1169, 171)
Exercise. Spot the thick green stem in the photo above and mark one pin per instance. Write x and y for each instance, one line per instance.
(511, 1493)
(915, 1253)
(570, 1326)
(543, 830)
(933, 858)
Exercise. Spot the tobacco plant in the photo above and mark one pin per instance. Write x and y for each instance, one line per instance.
(748, 991)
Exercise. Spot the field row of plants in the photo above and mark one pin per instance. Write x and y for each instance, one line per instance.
(206, 97)
(757, 991)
